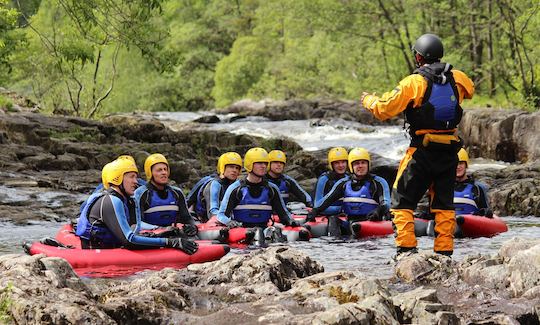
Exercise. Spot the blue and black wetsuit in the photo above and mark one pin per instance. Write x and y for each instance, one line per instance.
(162, 207)
(99, 188)
(213, 193)
(324, 184)
(287, 185)
(109, 221)
(252, 204)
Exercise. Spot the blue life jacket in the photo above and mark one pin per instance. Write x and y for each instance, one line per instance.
(440, 109)
(161, 212)
(253, 209)
(358, 203)
(96, 231)
(465, 200)
(283, 189)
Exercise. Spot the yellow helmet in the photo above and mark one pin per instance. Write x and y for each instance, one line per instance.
(127, 157)
(153, 159)
(104, 175)
(358, 154)
(336, 154)
(228, 158)
(254, 155)
(277, 155)
(463, 156)
(113, 173)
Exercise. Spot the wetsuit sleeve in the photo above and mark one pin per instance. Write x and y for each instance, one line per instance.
(114, 217)
(183, 214)
(335, 194)
(319, 189)
(482, 199)
(141, 198)
(464, 85)
(409, 90)
(278, 205)
(229, 202)
(212, 200)
(383, 191)
(297, 190)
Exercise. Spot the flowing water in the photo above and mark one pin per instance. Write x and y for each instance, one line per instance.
(372, 256)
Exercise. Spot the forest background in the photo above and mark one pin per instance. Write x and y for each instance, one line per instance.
(93, 57)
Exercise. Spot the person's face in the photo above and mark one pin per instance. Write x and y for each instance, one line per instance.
(130, 182)
(231, 172)
(160, 173)
(259, 168)
(277, 167)
(340, 166)
(360, 167)
(461, 169)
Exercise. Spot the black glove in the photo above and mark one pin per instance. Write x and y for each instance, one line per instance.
(294, 223)
(234, 224)
(374, 216)
(185, 245)
(190, 230)
(309, 205)
(485, 212)
(163, 232)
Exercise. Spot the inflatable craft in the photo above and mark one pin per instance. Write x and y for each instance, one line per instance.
(120, 261)
(472, 226)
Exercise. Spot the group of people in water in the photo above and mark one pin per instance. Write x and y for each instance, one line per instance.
(126, 211)
(435, 162)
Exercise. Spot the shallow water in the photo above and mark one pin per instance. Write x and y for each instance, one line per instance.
(370, 256)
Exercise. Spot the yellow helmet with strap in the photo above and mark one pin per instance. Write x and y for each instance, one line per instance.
(277, 155)
(127, 157)
(254, 155)
(228, 158)
(336, 154)
(358, 154)
(153, 159)
(113, 173)
(463, 156)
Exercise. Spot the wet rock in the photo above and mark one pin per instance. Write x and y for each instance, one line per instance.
(45, 290)
(279, 265)
(208, 119)
(524, 270)
(505, 135)
(422, 306)
(424, 267)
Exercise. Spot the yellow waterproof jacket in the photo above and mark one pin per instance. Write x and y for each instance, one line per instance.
(411, 90)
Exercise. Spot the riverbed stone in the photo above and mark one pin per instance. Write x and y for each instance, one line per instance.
(423, 267)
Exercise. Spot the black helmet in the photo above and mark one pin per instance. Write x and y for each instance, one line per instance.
(430, 47)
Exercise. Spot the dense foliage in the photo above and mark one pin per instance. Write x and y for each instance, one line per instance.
(96, 56)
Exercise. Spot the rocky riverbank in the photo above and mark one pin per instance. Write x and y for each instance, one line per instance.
(280, 285)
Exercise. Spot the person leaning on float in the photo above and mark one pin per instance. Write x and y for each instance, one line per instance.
(337, 166)
(249, 202)
(430, 98)
(229, 168)
(286, 184)
(194, 197)
(160, 204)
(105, 220)
(470, 196)
(365, 196)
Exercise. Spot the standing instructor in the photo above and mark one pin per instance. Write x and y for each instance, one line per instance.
(431, 99)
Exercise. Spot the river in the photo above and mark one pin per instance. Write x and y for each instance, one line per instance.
(372, 256)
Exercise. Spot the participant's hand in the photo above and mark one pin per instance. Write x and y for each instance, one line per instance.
(190, 230)
(311, 216)
(374, 216)
(185, 245)
(234, 224)
(294, 223)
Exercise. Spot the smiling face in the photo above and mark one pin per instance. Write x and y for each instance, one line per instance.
(360, 167)
(160, 173)
(461, 170)
(130, 182)
(340, 166)
(231, 172)
(277, 167)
